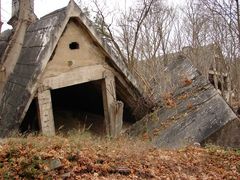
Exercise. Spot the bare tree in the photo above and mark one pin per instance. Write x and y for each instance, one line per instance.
(156, 32)
(224, 18)
(139, 35)
(146, 35)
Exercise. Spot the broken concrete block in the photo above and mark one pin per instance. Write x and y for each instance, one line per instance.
(227, 136)
(66, 175)
(54, 164)
(190, 114)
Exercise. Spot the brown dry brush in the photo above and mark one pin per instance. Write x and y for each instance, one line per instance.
(88, 157)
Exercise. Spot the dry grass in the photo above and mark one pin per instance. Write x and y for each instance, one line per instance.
(83, 156)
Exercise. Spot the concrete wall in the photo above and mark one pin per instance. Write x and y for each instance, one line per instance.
(228, 136)
(83, 63)
(66, 59)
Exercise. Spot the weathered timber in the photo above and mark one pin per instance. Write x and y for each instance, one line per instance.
(191, 113)
(76, 76)
(113, 111)
(117, 116)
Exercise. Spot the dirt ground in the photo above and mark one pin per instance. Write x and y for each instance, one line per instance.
(86, 157)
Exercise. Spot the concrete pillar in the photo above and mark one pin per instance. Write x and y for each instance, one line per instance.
(113, 109)
(45, 113)
(22, 10)
(22, 16)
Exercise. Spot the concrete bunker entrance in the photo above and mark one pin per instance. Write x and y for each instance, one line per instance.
(79, 107)
(83, 106)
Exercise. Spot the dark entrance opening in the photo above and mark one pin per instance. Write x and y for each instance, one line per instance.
(79, 107)
(128, 117)
(30, 122)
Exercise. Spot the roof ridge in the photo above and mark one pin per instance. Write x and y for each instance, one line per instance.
(53, 13)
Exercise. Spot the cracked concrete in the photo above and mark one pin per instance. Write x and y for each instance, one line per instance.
(199, 111)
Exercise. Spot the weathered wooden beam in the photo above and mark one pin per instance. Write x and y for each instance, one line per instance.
(113, 110)
(45, 113)
(117, 116)
(76, 76)
(131, 96)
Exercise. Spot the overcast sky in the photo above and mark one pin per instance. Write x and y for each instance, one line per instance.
(43, 7)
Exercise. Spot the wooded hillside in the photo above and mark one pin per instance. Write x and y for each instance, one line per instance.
(152, 32)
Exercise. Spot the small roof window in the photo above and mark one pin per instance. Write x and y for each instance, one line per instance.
(73, 45)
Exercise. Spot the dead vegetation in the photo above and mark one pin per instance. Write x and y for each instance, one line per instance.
(87, 157)
(186, 81)
(169, 100)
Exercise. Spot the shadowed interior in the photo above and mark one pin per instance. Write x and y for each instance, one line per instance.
(78, 107)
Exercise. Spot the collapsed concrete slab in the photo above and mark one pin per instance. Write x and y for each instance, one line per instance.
(193, 112)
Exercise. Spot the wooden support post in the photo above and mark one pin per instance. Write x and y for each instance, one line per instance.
(46, 113)
(113, 110)
(117, 113)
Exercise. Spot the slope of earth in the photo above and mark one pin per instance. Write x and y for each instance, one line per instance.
(87, 157)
